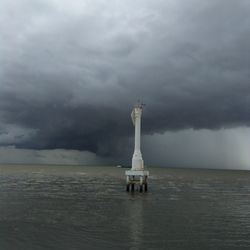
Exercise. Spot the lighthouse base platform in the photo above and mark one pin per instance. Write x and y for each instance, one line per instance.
(137, 180)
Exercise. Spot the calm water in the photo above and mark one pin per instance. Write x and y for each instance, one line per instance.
(63, 207)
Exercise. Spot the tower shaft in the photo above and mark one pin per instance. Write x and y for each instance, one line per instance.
(137, 161)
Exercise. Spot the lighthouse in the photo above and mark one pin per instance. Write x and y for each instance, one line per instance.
(137, 161)
(137, 177)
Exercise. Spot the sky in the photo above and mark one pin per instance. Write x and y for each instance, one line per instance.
(71, 71)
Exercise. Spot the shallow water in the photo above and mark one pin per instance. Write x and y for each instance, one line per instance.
(64, 207)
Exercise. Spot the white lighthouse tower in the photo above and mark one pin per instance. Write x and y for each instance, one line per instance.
(137, 161)
(137, 176)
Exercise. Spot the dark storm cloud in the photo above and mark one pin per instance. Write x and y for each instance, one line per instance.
(70, 72)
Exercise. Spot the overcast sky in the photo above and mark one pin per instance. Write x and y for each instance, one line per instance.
(71, 71)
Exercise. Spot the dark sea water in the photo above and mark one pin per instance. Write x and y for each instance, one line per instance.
(64, 207)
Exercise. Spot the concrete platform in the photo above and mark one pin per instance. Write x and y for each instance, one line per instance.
(137, 180)
(137, 172)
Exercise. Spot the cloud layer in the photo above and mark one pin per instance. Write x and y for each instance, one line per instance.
(70, 72)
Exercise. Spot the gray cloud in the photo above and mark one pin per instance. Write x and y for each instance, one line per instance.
(12, 155)
(69, 73)
(225, 148)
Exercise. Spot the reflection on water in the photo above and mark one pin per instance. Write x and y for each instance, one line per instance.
(62, 207)
(135, 219)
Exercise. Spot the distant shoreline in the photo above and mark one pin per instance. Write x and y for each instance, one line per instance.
(121, 167)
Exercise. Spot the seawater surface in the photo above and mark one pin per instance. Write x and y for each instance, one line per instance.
(75, 207)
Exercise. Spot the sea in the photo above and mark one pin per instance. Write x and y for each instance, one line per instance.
(87, 207)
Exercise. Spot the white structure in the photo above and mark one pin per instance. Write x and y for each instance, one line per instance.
(137, 174)
(137, 161)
